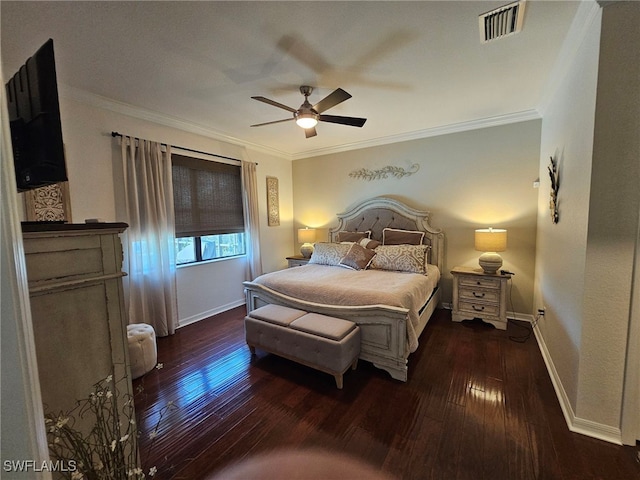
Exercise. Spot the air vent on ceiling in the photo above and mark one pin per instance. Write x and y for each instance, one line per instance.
(502, 21)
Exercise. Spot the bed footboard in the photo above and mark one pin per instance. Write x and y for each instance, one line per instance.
(383, 328)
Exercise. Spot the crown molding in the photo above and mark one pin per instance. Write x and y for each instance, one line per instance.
(426, 133)
(98, 101)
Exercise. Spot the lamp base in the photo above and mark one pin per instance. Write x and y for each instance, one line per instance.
(306, 250)
(490, 262)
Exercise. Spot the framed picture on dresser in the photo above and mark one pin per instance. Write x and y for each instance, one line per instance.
(50, 203)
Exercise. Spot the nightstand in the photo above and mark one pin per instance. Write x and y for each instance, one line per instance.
(297, 261)
(479, 295)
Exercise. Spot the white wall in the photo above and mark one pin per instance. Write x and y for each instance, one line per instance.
(585, 263)
(95, 179)
(468, 180)
(567, 135)
(613, 217)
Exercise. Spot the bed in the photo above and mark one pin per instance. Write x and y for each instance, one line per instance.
(391, 318)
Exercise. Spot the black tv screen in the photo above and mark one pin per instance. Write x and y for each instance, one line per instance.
(34, 119)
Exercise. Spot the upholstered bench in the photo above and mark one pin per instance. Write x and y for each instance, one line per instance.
(143, 353)
(328, 344)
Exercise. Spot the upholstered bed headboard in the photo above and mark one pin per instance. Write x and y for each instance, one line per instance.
(378, 213)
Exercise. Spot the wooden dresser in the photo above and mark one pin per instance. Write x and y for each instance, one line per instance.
(77, 307)
(479, 295)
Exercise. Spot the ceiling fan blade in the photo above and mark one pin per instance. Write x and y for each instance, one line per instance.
(275, 104)
(310, 132)
(270, 123)
(331, 100)
(352, 121)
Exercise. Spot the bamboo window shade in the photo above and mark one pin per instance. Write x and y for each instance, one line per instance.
(207, 197)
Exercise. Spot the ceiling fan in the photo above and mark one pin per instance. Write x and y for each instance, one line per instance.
(308, 116)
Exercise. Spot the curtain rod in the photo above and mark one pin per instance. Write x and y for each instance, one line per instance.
(118, 134)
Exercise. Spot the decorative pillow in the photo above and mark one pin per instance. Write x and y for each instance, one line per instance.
(358, 257)
(329, 253)
(368, 243)
(344, 236)
(394, 236)
(402, 258)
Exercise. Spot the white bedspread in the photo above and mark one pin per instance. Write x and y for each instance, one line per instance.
(332, 285)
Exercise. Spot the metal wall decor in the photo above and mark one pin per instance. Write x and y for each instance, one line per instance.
(384, 172)
(49, 203)
(273, 202)
(555, 185)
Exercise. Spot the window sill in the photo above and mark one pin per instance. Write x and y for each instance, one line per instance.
(208, 262)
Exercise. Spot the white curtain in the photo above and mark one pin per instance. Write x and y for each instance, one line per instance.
(151, 264)
(251, 219)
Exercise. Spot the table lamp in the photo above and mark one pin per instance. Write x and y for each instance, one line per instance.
(490, 241)
(306, 236)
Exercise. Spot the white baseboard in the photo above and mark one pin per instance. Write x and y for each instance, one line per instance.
(209, 313)
(576, 424)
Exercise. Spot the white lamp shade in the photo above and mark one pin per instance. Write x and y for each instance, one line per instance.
(306, 120)
(306, 235)
(491, 240)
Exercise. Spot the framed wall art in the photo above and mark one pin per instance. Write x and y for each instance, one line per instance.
(50, 203)
(273, 202)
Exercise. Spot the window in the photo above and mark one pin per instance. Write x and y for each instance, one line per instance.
(208, 209)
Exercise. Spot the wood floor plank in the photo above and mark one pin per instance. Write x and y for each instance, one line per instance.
(477, 405)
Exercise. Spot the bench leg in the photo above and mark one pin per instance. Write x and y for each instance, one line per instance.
(338, 381)
(252, 349)
(354, 365)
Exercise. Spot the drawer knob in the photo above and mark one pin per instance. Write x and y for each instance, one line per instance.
(478, 295)
(477, 308)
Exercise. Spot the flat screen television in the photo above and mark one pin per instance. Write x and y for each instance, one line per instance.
(34, 120)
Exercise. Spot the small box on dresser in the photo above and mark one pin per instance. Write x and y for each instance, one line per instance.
(477, 294)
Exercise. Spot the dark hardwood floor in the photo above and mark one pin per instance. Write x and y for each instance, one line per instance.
(477, 405)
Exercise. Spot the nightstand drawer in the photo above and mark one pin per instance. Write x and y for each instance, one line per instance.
(479, 282)
(479, 308)
(477, 294)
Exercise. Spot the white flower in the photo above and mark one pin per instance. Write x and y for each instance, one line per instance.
(152, 471)
(159, 366)
(62, 421)
(124, 439)
(153, 434)
(108, 379)
(113, 445)
(109, 394)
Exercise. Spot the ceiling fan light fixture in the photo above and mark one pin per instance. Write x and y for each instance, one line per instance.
(307, 120)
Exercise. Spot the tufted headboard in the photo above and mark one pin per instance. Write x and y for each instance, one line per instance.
(378, 213)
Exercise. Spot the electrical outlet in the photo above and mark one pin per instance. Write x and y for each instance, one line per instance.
(541, 311)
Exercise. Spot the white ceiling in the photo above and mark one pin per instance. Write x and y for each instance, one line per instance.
(412, 67)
